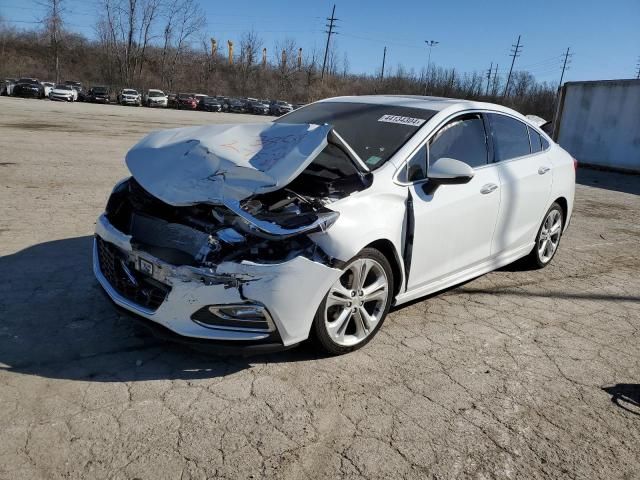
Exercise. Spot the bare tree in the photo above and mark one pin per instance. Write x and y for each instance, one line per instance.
(250, 46)
(126, 30)
(286, 68)
(53, 28)
(183, 19)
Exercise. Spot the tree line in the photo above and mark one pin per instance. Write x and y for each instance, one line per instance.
(161, 44)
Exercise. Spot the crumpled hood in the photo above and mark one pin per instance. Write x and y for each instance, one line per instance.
(214, 163)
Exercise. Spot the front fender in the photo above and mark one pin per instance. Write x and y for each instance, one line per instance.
(366, 217)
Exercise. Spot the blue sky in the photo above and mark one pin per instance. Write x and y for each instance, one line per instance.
(604, 36)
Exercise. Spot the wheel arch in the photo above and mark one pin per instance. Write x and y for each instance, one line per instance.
(386, 248)
(565, 209)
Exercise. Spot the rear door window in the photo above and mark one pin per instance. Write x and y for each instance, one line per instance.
(510, 137)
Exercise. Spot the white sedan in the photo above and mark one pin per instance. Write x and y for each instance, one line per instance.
(257, 236)
(63, 92)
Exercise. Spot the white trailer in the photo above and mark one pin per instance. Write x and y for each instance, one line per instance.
(598, 122)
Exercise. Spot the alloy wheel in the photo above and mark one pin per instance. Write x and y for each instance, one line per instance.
(356, 302)
(549, 237)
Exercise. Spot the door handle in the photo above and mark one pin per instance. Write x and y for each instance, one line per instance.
(488, 188)
(542, 170)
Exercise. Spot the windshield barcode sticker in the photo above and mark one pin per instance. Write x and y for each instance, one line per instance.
(416, 122)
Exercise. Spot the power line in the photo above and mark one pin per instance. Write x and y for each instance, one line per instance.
(330, 32)
(515, 52)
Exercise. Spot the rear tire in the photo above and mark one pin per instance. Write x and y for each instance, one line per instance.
(547, 239)
(356, 305)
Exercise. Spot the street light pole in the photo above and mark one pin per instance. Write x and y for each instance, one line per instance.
(430, 44)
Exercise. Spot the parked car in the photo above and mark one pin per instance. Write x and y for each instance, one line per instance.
(81, 94)
(28, 87)
(64, 92)
(6, 87)
(48, 86)
(98, 94)
(129, 96)
(186, 101)
(280, 107)
(344, 208)
(210, 104)
(172, 100)
(259, 108)
(234, 105)
(155, 98)
(199, 96)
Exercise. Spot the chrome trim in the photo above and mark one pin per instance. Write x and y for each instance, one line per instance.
(322, 222)
(450, 117)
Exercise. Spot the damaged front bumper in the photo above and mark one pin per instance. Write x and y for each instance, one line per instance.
(285, 296)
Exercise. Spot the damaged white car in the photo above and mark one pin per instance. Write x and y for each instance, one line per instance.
(258, 236)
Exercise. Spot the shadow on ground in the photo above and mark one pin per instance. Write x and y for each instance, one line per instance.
(619, 182)
(56, 322)
(625, 396)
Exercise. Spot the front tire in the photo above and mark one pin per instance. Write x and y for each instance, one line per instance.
(547, 239)
(356, 305)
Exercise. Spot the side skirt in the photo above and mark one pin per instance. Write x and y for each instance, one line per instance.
(443, 283)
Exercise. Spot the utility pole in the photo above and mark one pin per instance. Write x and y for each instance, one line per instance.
(53, 23)
(430, 44)
(564, 66)
(515, 52)
(494, 88)
(638, 69)
(489, 72)
(384, 57)
(330, 32)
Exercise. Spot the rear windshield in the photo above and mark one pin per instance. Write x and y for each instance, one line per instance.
(375, 132)
(99, 90)
(27, 80)
(130, 92)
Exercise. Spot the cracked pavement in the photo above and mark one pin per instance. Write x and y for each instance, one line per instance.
(516, 374)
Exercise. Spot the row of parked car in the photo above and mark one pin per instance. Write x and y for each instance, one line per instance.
(71, 91)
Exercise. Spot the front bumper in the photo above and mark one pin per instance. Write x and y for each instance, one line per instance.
(28, 93)
(66, 98)
(129, 101)
(290, 291)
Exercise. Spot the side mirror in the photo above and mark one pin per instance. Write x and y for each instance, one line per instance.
(449, 171)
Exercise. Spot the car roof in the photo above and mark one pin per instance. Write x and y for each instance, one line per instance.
(418, 101)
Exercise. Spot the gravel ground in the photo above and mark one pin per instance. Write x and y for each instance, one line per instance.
(513, 375)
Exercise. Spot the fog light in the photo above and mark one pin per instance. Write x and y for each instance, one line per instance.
(239, 312)
(244, 317)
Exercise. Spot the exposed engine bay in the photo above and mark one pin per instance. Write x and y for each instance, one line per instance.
(265, 228)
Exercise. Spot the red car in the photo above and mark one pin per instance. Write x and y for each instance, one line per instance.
(186, 100)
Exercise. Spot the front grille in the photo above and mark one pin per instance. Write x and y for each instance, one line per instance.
(140, 289)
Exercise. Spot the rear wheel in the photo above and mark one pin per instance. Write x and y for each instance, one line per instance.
(356, 305)
(548, 238)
